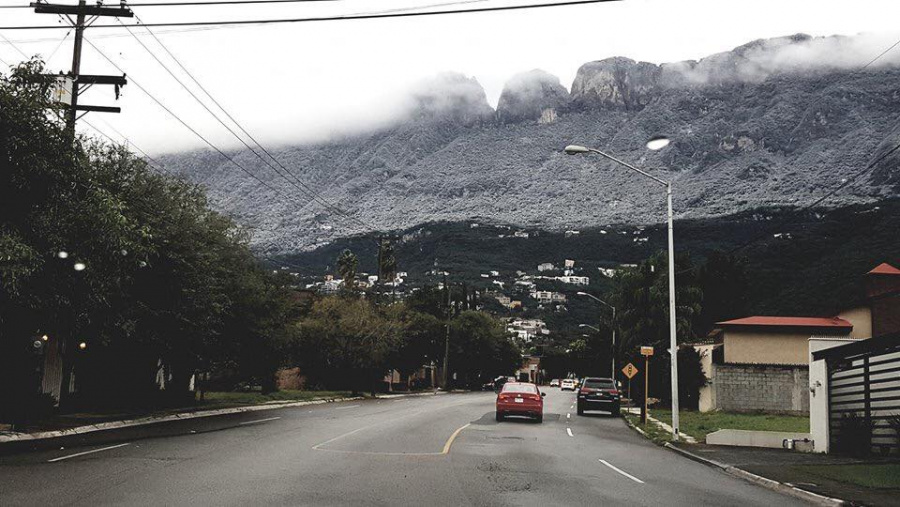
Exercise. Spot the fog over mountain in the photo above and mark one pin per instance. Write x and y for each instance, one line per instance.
(778, 121)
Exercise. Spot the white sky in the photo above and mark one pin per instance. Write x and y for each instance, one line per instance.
(301, 82)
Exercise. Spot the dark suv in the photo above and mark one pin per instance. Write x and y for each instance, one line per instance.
(598, 394)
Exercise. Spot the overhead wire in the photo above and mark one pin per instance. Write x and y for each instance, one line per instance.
(373, 16)
(284, 172)
(194, 4)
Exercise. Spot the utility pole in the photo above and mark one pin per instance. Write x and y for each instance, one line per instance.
(447, 339)
(73, 82)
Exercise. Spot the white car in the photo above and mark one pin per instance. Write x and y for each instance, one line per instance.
(567, 385)
(554, 382)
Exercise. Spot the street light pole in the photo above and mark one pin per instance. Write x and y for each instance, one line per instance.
(656, 143)
(673, 343)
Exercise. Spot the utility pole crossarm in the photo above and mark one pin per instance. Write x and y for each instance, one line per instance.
(76, 80)
(88, 10)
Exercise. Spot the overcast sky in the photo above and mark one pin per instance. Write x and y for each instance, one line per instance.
(302, 82)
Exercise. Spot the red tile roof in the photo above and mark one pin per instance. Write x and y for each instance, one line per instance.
(829, 322)
(885, 269)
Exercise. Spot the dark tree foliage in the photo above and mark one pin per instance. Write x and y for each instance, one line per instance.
(165, 280)
(723, 280)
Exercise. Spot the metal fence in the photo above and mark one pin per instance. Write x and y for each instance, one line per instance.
(864, 395)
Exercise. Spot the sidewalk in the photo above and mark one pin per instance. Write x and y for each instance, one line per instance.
(871, 481)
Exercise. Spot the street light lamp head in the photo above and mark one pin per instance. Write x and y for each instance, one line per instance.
(62, 254)
(79, 266)
(574, 149)
(582, 325)
(82, 345)
(656, 143)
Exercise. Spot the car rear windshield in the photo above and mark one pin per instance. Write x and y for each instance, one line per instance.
(519, 388)
(599, 383)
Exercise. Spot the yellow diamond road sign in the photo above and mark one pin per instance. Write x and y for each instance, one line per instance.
(629, 370)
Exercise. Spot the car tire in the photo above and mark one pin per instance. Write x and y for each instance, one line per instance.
(539, 418)
(615, 411)
(580, 410)
(499, 417)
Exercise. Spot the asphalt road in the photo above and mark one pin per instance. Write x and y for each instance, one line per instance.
(434, 450)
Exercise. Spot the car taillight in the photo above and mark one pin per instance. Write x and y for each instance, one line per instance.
(586, 390)
(613, 391)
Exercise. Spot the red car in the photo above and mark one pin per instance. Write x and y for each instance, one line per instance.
(520, 398)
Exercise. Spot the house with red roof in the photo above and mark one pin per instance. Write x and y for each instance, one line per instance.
(762, 362)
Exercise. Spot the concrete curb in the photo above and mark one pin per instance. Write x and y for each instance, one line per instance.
(22, 437)
(788, 489)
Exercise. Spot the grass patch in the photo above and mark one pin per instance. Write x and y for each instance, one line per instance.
(699, 424)
(255, 398)
(653, 430)
(883, 475)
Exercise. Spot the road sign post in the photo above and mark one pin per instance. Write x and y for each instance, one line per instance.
(630, 371)
(646, 352)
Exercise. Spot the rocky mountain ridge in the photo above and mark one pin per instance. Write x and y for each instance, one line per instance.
(750, 127)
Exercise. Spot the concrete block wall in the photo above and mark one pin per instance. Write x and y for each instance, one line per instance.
(771, 388)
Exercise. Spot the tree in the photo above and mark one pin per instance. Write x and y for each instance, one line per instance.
(346, 267)
(346, 343)
(723, 280)
(480, 348)
(165, 279)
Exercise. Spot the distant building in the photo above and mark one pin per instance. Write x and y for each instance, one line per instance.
(607, 272)
(520, 234)
(574, 280)
(547, 266)
(526, 330)
(569, 264)
(543, 296)
(495, 273)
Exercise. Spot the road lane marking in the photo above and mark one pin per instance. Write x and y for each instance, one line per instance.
(452, 438)
(259, 421)
(568, 416)
(569, 431)
(54, 460)
(345, 408)
(626, 474)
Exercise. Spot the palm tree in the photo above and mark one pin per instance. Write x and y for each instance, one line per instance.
(346, 267)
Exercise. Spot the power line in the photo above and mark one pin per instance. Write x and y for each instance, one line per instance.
(333, 18)
(302, 186)
(185, 124)
(181, 4)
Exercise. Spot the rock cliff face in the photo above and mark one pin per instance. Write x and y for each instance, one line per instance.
(747, 132)
(531, 96)
(616, 83)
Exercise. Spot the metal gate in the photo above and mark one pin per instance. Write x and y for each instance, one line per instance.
(864, 395)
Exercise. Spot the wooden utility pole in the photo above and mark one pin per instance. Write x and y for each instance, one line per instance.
(447, 338)
(75, 79)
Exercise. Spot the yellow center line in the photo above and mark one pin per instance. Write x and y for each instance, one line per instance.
(452, 438)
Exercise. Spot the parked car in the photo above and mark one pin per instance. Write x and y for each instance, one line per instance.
(599, 394)
(520, 398)
(567, 385)
(554, 382)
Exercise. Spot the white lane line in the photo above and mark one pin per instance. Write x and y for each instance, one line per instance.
(345, 408)
(626, 474)
(569, 431)
(54, 460)
(568, 416)
(259, 421)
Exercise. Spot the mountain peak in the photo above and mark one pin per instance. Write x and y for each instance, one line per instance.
(451, 96)
(532, 95)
